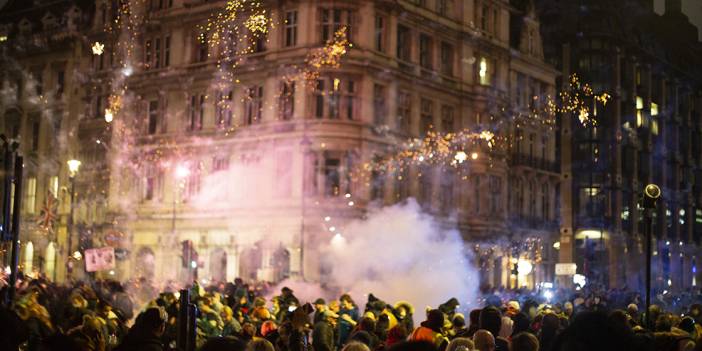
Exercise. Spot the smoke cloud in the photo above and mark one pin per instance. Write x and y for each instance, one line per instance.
(400, 253)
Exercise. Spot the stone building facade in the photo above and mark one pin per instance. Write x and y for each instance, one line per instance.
(289, 150)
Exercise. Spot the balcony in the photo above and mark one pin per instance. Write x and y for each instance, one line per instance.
(534, 162)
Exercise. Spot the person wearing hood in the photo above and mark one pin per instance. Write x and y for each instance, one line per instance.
(431, 330)
(404, 313)
(449, 307)
(474, 325)
(459, 329)
(491, 320)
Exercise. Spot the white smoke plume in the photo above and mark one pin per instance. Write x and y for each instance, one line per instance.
(400, 253)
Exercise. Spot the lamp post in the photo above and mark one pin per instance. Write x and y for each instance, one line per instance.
(181, 172)
(305, 144)
(73, 167)
(651, 195)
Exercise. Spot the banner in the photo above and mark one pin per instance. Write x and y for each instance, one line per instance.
(99, 259)
(566, 268)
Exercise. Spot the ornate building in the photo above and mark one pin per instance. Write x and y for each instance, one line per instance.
(249, 170)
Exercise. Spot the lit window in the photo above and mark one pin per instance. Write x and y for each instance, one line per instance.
(483, 73)
(31, 195)
(639, 118)
(654, 127)
(54, 186)
(654, 109)
(639, 103)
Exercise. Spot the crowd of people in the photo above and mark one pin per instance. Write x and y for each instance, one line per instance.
(102, 316)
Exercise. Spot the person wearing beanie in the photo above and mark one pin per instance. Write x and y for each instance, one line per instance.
(491, 320)
(431, 330)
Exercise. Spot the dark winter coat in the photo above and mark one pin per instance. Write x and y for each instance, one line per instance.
(323, 336)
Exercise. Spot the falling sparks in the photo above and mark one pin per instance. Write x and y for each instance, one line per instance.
(578, 98)
(257, 23)
(98, 48)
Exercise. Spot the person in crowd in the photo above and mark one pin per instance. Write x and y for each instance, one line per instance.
(323, 334)
(491, 320)
(348, 315)
(320, 306)
(355, 346)
(459, 329)
(484, 340)
(460, 344)
(146, 333)
(525, 342)
(404, 312)
(431, 330)
(474, 317)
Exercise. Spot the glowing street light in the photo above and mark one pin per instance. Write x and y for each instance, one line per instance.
(108, 115)
(474, 155)
(73, 166)
(182, 171)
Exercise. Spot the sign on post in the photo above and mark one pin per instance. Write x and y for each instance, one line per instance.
(566, 268)
(99, 259)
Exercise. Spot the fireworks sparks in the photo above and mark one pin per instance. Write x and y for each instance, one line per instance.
(577, 99)
(98, 48)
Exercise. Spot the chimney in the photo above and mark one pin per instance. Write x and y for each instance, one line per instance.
(673, 7)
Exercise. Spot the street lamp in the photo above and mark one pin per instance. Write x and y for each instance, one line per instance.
(73, 167)
(305, 144)
(181, 172)
(651, 195)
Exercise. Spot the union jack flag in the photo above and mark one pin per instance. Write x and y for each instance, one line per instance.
(48, 214)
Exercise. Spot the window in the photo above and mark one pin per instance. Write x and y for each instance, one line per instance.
(476, 194)
(532, 204)
(404, 46)
(290, 28)
(545, 202)
(153, 117)
(402, 183)
(521, 90)
(157, 52)
(99, 107)
(258, 42)
(425, 51)
(495, 194)
(377, 185)
(447, 59)
(484, 18)
(447, 196)
(335, 98)
(404, 111)
(201, 47)
(486, 71)
(224, 113)
(157, 5)
(334, 19)
(193, 182)
(220, 163)
(196, 115)
(443, 7)
(532, 138)
(544, 148)
(54, 186)
(379, 107)
(426, 117)
(36, 129)
(30, 199)
(149, 187)
(253, 105)
(60, 83)
(380, 32)
(332, 177)
(38, 81)
(425, 187)
(283, 165)
(447, 120)
(287, 101)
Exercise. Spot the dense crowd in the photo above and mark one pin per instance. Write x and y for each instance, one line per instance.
(236, 316)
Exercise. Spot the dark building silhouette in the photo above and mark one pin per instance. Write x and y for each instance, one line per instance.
(650, 131)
